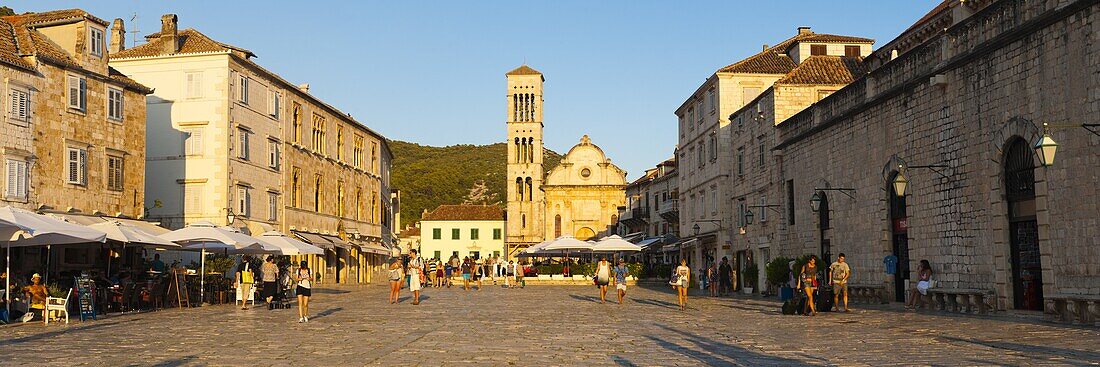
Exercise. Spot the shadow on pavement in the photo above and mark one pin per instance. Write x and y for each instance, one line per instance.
(184, 361)
(715, 353)
(1073, 356)
(653, 302)
(409, 298)
(50, 334)
(622, 361)
(329, 291)
(326, 312)
(585, 298)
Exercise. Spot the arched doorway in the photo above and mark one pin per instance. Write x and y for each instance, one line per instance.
(899, 235)
(1027, 269)
(826, 253)
(585, 233)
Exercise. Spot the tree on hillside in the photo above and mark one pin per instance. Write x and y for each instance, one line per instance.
(5, 11)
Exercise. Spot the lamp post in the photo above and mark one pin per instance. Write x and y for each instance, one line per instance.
(900, 183)
(815, 202)
(229, 217)
(1046, 147)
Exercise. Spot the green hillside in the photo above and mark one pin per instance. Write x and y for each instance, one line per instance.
(429, 176)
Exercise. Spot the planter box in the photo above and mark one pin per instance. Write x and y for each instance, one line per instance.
(544, 276)
(557, 277)
(579, 277)
(747, 290)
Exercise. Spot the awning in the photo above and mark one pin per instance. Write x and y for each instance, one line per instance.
(81, 219)
(634, 236)
(648, 242)
(314, 239)
(374, 248)
(336, 241)
(670, 248)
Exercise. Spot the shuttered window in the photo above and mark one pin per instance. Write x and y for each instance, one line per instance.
(78, 92)
(115, 171)
(77, 166)
(272, 206)
(20, 105)
(273, 154)
(114, 104)
(242, 144)
(275, 105)
(192, 142)
(194, 85)
(16, 182)
(242, 89)
(95, 41)
(244, 201)
(192, 198)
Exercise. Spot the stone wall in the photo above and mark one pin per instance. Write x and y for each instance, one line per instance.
(16, 138)
(1005, 70)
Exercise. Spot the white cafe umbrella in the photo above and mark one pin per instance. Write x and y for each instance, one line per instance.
(290, 246)
(204, 236)
(614, 243)
(129, 234)
(567, 243)
(20, 228)
(261, 247)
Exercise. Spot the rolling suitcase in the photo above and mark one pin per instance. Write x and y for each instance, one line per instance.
(790, 307)
(824, 299)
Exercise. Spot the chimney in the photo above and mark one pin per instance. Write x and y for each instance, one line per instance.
(118, 36)
(765, 48)
(304, 87)
(804, 30)
(169, 32)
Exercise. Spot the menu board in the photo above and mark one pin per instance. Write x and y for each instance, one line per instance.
(85, 296)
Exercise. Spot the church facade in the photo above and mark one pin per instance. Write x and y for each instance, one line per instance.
(578, 197)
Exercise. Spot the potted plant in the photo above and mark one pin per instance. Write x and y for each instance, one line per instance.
(750, 274)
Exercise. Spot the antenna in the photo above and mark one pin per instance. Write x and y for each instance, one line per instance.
(135, 33)
(525, 59)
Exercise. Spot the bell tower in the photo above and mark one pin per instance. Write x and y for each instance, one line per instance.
(526, 204)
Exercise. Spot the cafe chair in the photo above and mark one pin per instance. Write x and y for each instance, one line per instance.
(251, 297)
(59, 305)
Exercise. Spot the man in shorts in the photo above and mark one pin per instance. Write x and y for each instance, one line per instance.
(448, 271)
(621, 271)
(840, 274)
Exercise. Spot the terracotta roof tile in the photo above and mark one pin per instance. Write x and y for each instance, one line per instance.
(409, 232)
(119, 77)
(523, 70)
(825, 70)
(9, 49)
(465, 212)
(32, 19)
(774, 60)
(191, 41)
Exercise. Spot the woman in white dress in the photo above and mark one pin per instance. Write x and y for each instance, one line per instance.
(603, 277)
(416, 275)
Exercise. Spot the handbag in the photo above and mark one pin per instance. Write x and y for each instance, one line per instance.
(247, 276)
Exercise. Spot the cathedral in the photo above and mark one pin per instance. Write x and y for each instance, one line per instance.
(580, 197)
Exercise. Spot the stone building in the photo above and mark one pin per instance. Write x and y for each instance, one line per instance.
(706, 154)
(74, 130)
(236, 144)
(581, 194)
(752, 135)
(650, 218)
(476, 231)
(952, 109)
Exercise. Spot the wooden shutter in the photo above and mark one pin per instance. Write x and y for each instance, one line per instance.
(74, 165)
(12, 185)
(74, 92)
(83, 167)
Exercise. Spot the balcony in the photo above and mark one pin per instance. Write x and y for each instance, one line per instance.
(670, 210)
(634, 218)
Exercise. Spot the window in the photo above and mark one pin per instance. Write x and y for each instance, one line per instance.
(763, 209)
(437, 233)
(273, 154)
(16, 183)
(272, 206)
(192, 142)
(714, 201)
(474, 233)
(295, 187)
(78, 166)
(821, 94)
(851, 51)
(318, 193)
(740, 161)
(816, 50)
(699, 116)
(691, 113)
(711, 101)
(242, 143)
(340, 199)
(373, 156)
(702, 154)
(741, 212)
(114, 104)
(242, 91)
(244, 201)
(455, 233)
(95, 41)
(194, 84)
(275, 105)
(760, 155)
(192, 198)
(20, 105)
(496, 233)
(358, 204)
(297, 117)
(78, 92)
(790, 202)
(438, 254)
(318, 134)
(701, 209)
(713, 148)
(357, 152)
(340, 143)
(115, 166)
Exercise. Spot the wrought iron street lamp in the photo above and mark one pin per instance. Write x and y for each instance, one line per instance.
(695, 229)
(748, 217)
(229, 217)
(815, 202)
(1045, 148)
(900, 183)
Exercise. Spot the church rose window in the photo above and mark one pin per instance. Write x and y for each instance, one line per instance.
(585, 173)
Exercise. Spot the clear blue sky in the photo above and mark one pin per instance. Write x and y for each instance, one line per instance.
(433, 72)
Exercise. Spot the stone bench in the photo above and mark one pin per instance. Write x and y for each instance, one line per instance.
(873, 294)
(961, 300)
(1082, 308)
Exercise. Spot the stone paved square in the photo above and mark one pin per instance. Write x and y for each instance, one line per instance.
(545, 326)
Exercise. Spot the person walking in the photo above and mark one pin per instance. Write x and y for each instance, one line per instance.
(245, 278)
(621, 271)
(304, 291)
(439, 272)
(416, 275)
(396, 275)
(521, 272)
(432, 266)
(725, 277)
(509, 273)
(924, 281)
(491, 268)
(807, 281)
(479, 272)
(840, 272)
(712, 279)
(270, 275)
(603, 277)
(680, 282)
